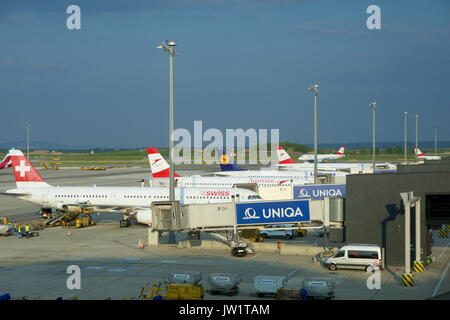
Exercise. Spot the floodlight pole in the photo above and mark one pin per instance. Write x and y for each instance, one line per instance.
(315, 89)
(28, 140)
(373, 106)
(168, 47)
(171, 170)
(417, 130)
(406, 159)
(435, 138)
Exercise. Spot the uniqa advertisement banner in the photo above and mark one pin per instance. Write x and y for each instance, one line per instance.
(320, 191)
(272, 212)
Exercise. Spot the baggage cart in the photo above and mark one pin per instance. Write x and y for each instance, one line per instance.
(224, 283)
(268, 284)
(319, 288)
(185, 277)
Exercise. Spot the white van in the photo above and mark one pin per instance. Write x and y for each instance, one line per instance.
(272, 231)
(355, 256)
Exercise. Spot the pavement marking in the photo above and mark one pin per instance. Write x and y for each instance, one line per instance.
(117, 270)
(168, 261)
(443, 250)
(94, 268)
(293, 272)
(440, 281)
(132, 259)
(280, 259)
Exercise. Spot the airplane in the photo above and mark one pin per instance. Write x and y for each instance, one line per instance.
(321, 157)
(160, 169)
(6, 162)
(132, 202)
(286, 162)
(305, 173)
(420, 155)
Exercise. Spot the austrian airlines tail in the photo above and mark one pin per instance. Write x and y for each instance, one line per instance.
(6, 162)
(283, 156)
(159, 166)
(341, 151)
(226, 161)
(418, 152)
(24, 172)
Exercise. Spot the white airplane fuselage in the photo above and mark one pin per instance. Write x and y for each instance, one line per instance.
(307, 175)
(108, 199)
(334, 166)
(230, 181)
(308, 157)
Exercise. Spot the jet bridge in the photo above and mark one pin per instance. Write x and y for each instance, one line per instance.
(225, 219)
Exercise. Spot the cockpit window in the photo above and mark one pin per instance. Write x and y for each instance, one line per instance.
(254, 197)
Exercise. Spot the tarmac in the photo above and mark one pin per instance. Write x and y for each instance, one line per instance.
(113, 266)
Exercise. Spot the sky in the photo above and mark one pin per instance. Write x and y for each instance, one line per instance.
(241, 64)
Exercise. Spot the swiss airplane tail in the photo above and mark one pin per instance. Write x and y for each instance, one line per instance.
(341, 151)
(6, 162)
(418, 152)
(24, 172)
(226, 161)
(159, 166)
(283, 156)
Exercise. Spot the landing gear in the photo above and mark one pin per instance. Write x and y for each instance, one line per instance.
(125, 223)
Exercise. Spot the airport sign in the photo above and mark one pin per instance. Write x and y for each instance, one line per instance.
(292, 211)
(321, 191)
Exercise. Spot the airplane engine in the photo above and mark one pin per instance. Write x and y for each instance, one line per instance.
(144, 216)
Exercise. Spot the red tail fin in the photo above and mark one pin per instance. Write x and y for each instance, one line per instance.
(159, 166)
(24, 172)
(283, 156)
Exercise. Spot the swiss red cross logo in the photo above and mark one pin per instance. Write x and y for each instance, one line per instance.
(22, 168)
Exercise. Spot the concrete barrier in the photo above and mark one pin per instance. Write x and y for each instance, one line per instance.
(210, 245)
(269, 247)
(301, 250)
(265, 247)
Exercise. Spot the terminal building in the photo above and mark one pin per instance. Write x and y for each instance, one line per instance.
(374, 211)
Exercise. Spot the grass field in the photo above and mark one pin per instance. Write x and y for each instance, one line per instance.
(139, 158)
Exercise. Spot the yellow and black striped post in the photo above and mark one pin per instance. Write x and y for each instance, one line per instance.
(418, 266)
(408, 280)
(443, 233)
(447, 227)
